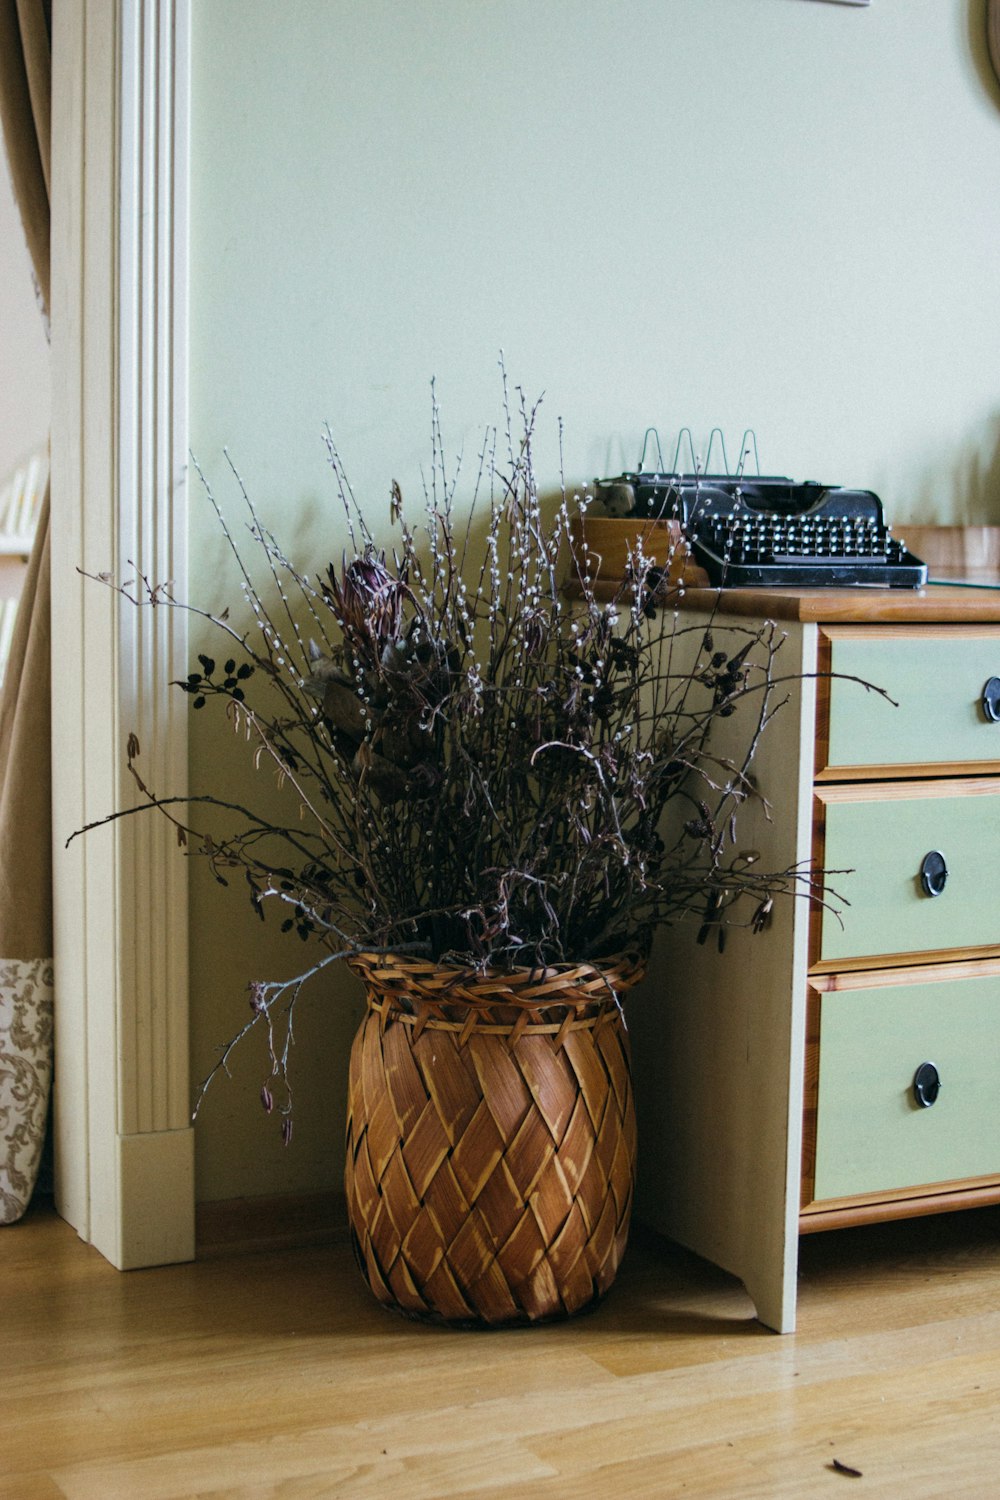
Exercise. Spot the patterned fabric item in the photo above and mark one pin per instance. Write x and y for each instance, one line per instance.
(25, 1076)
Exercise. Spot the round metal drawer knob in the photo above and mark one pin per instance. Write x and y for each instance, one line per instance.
(991, 700)
(933, 873)
(926, 1085)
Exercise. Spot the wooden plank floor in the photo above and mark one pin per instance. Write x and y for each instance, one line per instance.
(274, 1375)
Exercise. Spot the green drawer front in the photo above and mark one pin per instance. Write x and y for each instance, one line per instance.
(882, 844)
(938, 684)
(871, 1134)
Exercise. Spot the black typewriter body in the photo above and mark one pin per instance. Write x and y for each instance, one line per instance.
(767, 530)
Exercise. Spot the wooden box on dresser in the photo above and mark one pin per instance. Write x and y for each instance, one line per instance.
(844, 1065)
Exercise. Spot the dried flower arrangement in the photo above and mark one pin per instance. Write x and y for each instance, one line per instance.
(477, 767)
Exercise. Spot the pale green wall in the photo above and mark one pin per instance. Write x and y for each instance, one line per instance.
(774, 213)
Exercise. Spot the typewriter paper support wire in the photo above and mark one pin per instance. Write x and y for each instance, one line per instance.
(748, 441)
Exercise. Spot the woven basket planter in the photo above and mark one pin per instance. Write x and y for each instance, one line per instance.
(490, 1138)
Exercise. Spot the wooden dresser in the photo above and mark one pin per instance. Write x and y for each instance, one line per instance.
(844, 1065)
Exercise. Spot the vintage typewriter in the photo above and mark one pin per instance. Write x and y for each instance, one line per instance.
(768, 530)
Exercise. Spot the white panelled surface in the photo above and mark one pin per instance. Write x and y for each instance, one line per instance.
(124, 1154)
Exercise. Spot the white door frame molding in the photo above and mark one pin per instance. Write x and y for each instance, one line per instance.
(124, 1140)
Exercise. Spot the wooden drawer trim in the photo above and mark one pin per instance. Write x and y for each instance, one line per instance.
(810, 1097)
(900, 791)
(901, 962)
(921, 973)
(916, 771)
(919, 1190)
(897, 632)
(943, 1198)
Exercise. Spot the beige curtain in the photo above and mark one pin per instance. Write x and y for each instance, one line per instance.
(25, 722)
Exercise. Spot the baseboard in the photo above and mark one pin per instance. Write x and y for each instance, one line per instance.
(152, 1223)
(242, 1226)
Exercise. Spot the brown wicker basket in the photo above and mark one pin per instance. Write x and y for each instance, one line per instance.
(490, 1138)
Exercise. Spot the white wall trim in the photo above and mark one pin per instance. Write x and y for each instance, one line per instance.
(119, 347)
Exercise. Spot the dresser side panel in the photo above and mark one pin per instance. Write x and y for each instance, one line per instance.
(719, 1039)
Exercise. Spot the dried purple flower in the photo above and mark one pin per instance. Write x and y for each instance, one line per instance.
(367, 601)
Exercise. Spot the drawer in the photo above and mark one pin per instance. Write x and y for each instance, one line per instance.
(878, 835)
(936, 677)
(868, 1134)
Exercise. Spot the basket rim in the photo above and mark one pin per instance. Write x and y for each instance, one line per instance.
(444, 984)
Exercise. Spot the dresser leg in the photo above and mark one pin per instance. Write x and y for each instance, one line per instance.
(773, 1299)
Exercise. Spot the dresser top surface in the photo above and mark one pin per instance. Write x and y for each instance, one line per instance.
(966, 601)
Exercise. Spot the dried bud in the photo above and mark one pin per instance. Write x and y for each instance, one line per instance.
(762, 916)
(368, 600)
